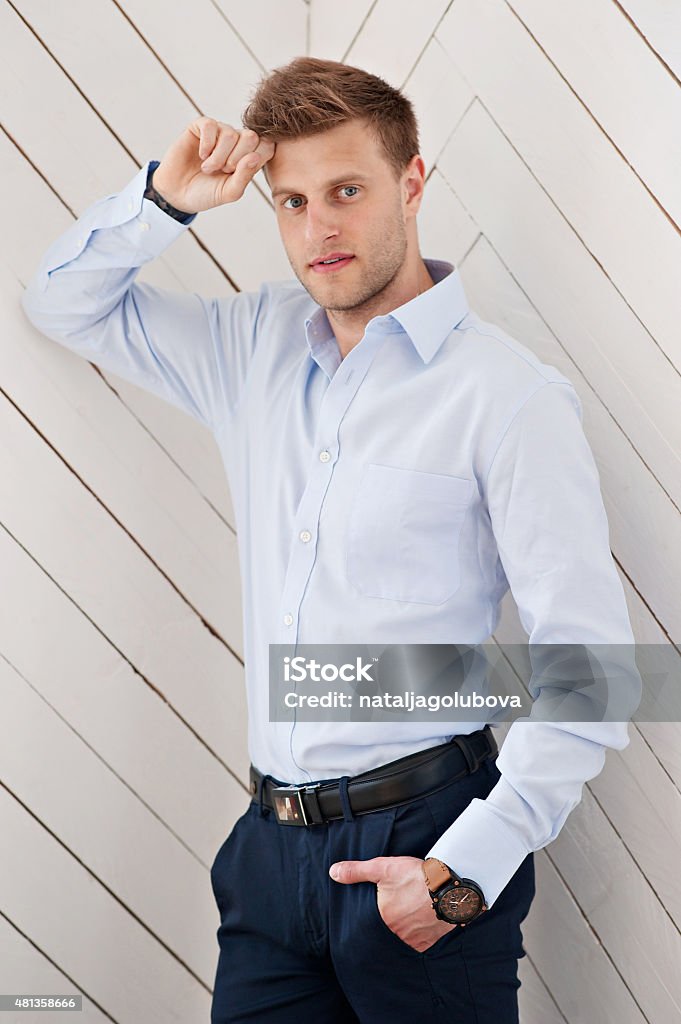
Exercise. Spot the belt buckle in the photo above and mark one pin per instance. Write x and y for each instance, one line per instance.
(288, 803)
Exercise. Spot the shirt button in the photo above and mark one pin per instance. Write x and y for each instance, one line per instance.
(144, 226)
(131, 205)
(305, 536)
(288, 619)
(325, 455)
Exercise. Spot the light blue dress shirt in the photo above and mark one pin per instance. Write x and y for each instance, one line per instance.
(392, 496)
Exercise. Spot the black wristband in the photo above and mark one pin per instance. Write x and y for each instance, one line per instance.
(163, 204)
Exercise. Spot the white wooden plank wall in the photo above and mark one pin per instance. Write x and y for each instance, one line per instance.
(554, 169)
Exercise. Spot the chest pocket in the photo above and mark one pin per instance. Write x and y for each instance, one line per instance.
(403, 534)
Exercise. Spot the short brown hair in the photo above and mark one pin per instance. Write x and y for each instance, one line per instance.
(309, 95)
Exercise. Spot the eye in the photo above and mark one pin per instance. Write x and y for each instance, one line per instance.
(297, 201)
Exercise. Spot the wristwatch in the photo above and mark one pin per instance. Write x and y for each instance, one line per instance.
(163, 204)
(455, 899)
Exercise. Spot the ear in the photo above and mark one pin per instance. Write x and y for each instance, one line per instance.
(413, 184)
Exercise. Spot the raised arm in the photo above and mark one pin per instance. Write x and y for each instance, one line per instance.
(191, 351)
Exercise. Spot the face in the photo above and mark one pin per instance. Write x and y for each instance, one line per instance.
(335, 194)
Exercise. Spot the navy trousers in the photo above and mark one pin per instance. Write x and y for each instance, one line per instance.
(295, 946)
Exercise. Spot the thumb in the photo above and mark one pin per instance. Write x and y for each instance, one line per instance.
(358, 870)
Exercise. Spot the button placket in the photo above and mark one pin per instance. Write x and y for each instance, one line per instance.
(335, 404)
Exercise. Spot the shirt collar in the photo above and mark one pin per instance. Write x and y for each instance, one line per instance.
(426, 319)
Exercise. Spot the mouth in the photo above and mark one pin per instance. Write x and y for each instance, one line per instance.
(331, 263)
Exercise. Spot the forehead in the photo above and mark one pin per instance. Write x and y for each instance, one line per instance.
(314, 159)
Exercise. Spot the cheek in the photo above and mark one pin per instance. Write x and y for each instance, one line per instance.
(291, 227)
(289, 236)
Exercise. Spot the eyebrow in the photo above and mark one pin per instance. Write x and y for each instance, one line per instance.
(352, 176)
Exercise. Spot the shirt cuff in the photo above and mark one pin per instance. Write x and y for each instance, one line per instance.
(480, 846)
(162, 229)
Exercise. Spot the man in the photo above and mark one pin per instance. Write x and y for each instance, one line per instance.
(395, 464)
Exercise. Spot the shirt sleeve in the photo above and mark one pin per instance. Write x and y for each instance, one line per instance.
(546, 511)
(193, 352)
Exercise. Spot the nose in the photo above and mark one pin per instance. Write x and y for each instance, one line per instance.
(320, 224)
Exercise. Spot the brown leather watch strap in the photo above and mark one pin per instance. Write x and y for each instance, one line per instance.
(436, 873)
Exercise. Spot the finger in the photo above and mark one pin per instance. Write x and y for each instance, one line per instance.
(264, 151)
(206, 129)
(226, 140)
(235, 184)
(209, 135)
(266, 148)
(248, 142)
(349, 871)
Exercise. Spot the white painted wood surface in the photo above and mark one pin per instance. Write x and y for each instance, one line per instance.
(550, 134)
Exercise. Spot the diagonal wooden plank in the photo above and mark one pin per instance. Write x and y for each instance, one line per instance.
(595, 189)
(83, 549)
(663, 739)
(106, 826)
(70, 138)
(394, 20)
(274, 32)
(571, 960)
(644, 806)
(133, 729)
(595, 865)
(168, 33)
(659, 22)
(24, 970)
(595, 49)
(535, 1002)
(86, 932)
(597, 330)
(440, 97)
(333, 28)
(446, 230)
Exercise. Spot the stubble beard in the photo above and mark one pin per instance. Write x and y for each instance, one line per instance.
(379, 271)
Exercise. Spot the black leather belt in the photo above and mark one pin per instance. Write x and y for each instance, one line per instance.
(389, 785)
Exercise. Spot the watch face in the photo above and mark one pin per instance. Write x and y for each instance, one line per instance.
(460, 903)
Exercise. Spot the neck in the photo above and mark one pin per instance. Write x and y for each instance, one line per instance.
(349, 325)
